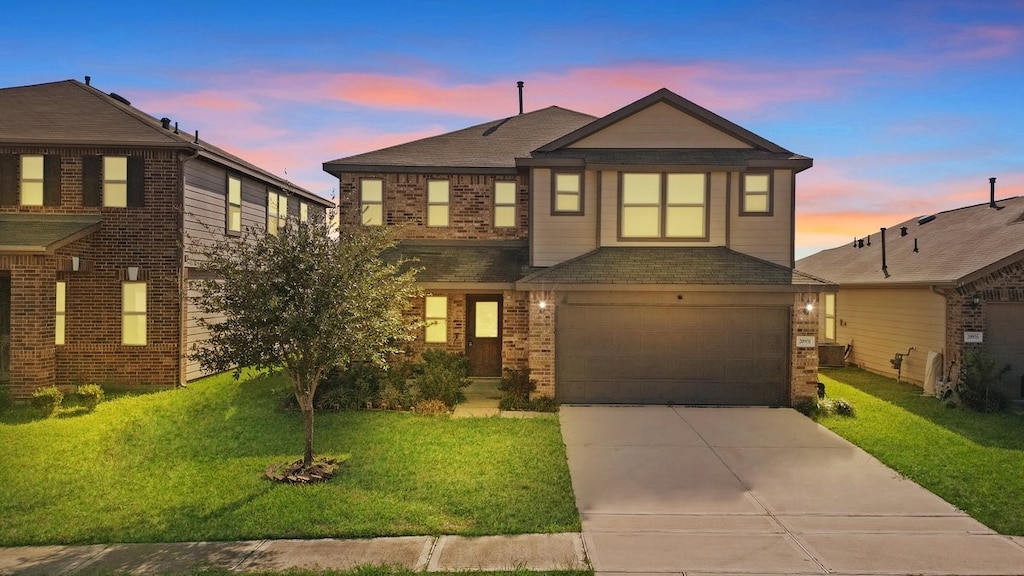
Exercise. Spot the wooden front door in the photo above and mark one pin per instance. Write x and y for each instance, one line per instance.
(5, 329)
(483, 334)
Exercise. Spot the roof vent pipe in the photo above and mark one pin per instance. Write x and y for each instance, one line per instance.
(991, 192)
(175, 127)
(197, 138)
(166, 123)
(885, 269)
(519, 85)
(88, 80)
(903, 231)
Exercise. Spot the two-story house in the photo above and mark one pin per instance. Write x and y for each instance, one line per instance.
(99, 203)
(642, 257)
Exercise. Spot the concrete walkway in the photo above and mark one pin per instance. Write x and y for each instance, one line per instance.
(757, 491)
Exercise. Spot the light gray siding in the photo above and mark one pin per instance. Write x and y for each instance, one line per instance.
(555, 239)
(767, 237)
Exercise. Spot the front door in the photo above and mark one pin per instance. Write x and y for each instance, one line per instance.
(5, 329)
(483, 329)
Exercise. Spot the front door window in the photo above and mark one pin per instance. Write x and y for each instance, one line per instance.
(483, 330)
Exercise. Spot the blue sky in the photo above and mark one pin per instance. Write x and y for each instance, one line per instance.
(907, 107)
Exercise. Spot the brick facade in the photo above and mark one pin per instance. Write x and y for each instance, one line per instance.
(1005, 285)
(804, 361)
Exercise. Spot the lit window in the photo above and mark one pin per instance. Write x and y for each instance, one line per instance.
(436, 318)
(371, 202)
(59, 315)
(115, 181)
(505, 204)
(133, 313)
(277, 212)
(31, 180)
(568, 194)
(234, 215)
(663, 205)
(303, 212)
(437, 203)
(830, 316)
(757, 194)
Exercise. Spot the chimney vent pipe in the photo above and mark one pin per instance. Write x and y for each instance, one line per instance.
(88, 80)
(519, 85)
(991, 192)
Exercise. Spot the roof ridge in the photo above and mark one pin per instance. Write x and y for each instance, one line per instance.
(127, 109)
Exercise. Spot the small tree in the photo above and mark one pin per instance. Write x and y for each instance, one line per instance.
(304, 301)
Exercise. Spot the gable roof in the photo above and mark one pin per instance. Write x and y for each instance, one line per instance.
(36, 233)
(491, 147)
(698, 266)
(465, 261)
(956, 247)
(69, 113)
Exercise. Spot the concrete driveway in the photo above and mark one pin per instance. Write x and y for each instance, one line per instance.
(757, 491)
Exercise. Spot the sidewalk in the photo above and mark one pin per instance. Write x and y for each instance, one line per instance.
(433, 554)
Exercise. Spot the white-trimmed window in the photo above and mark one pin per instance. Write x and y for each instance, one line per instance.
(234, 207)
(115, 181)
(435, 316)
(567, 193)
(133, 313)
(505, 204)
(371, 201)
(757, 194)
(32, 180)
(303, 212)
(59, 314)
(830, 316)
(438, 202)
(663, 206)
(277, 211)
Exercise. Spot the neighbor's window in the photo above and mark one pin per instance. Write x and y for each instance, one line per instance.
(830, 316)
(371, 201)
(567, 193)
(133, 313)
(436, 318)
(505, 204)
(31, 180)
(437, 202)
(657, 206)
(59, 314)
(115, 181)
(303, 212)
(234, 214)
(277, 211)
(757, 194)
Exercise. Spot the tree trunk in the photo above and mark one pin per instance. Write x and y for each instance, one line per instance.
(307, 457)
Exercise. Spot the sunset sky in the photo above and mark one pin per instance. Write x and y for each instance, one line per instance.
(906, 107)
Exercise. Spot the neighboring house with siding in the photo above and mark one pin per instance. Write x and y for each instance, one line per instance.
(952, 281)
(98, 205)
(642, 257)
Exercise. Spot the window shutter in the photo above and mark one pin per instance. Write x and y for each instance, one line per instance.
(8, 179)
(136, 181)
(51, 180)
(92, 183)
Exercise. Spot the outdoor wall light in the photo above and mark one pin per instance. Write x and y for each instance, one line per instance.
(543, 304)
(76, 263)
(809, 307)
(133, 273)
(975, 300)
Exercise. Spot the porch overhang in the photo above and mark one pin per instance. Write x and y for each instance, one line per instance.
(35, 233)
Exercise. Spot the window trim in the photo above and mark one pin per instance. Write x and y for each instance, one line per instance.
(554, 192)
(125, 314)
(104, 180)
(363, 203)
(447, 204)
(514, 205)
(829, 313)
(228, 205)
(770, 194)
(41, 180)
(428, 321)
(663, 206)
(60, 316)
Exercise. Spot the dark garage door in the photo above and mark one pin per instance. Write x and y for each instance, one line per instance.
(671, 355)
(1004, 339)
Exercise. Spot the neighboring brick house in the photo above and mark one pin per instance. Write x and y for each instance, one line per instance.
(642, 257)
(944, 283)
(97, 204)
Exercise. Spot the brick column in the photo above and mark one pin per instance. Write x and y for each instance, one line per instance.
(33, 298)
(804, 361)
(542, 342)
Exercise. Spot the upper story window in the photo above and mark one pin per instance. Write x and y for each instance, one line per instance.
(756, 194)
(234, 208)
(277, 211)
(438, 202)
(567, 193)
(371, 201)
(505, 204)
(436, 319)
(115, 181)
(133, 313)
(830, 316)
(31, 180)
(303, 212)
(663, 206)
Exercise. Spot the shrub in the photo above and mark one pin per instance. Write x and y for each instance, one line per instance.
(978, 385)
(517, 384)
(5, 398)
(47, 400)
(356, 388)
(90, 395)
(431, 407)
(819, 407)
(442, 376)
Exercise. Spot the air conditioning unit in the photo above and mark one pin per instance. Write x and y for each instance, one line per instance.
(831, 354)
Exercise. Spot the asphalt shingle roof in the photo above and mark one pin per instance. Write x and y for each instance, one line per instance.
(28, 233)
(494, 144)
(675, 156)
(669, 265)
(466, 262)
(954, 248)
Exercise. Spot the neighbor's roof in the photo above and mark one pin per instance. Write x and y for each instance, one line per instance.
(69, 113)
(705, 266)
(475, 262)
(955, 248)
(493, 146)
(35, 233)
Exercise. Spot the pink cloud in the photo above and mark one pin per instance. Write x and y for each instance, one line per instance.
(984, 42)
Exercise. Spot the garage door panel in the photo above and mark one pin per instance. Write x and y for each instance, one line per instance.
(1004, 340)
(636, 354)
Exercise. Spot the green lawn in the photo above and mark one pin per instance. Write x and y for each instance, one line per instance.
(187, 465)
(974, 461)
